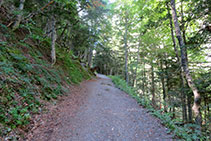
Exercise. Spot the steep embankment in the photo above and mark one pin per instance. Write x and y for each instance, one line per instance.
(28, 80)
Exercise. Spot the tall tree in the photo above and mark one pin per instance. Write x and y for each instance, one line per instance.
(184, 62)
(126, 46)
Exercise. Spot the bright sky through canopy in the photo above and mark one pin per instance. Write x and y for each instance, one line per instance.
(112, 1)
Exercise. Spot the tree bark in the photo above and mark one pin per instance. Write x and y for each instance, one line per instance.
(182, 81)
(189, 109)
(137, 61)
(143, 79)
(197, 98)
(163, 84)
(172, 34)
(126, 48)
(111, 70)
(152, 84)
(19, 16)
(168, 87)
(53, 41)
(1, 2)
(62, 34)
(90, 56)
(183, 24)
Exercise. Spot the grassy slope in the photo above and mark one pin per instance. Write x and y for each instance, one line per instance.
(27, 77)
(185, 132)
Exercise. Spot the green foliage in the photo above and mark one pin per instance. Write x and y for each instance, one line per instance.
(76, 73)
(26, 75)
(187, 132)
(27, 78)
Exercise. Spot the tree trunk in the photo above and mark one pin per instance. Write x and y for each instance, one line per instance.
(197, 98)
(183, 24)
(189, 109)
(53, 41)
(182, 81)
(63, 31)
(173, 111)
(167, 83)
(143, 80)
(205, 110)
(126, 49)
(153, 84)
(172, 34)
(19, 16)
(111, 71)
(163, 84)
(1, 2)
(137, 62)
(90, 56)
(183, 29)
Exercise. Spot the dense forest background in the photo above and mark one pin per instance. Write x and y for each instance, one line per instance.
(160, 47)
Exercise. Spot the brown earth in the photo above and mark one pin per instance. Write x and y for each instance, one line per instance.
(97, 111)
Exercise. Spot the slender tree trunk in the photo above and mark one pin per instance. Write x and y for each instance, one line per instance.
(90, 56)
(205, 110)
(174, 111)
(19, 16)
(62, 34)
(172, 34)
(183, 30)
(137, 62)
(70, 43)
(167, 83)
(208, 110)
(153, 84)
(189, 109)
(197, 98)
(126, 49)
(111, 71)
(1, 2)
(85, 55)
(143, 80)
(163, 84)
(183, 24)
(53, 41)
(182, 81)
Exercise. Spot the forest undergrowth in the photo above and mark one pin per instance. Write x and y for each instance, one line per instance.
(187, 132)
(28, 80)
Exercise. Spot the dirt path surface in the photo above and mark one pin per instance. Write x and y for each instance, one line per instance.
(97, 111)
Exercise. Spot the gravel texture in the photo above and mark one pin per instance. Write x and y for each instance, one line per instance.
(97, 111)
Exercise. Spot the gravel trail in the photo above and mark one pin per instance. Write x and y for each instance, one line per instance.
(97, 111)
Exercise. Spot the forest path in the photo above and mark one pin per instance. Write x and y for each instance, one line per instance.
(97, 111)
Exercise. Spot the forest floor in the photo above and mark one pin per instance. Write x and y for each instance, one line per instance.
(97, 111)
